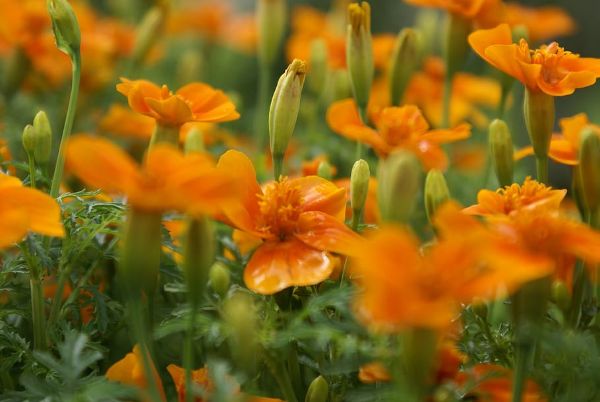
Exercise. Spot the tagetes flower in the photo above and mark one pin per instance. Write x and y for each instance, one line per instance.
(483, 13)
(404, 286)
(549, 69)
(470, 93)
(193, 102)
(373, 372)
(311, 167)
(167, 179)
(6, 156)
(564, 147)
(23, 210)
(300, 221)
(542, 23)
(396, 128)
(86, 312)
(130, 371)
(493, 383)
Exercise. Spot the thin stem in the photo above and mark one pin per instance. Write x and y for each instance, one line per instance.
(165, 135)
(37, 312)
(356, 219)
(446, 101)
(56, 301)
(277, 166)
(579, 284)
(60, 160)
(188, 354)
(541, 165)
(31, 170)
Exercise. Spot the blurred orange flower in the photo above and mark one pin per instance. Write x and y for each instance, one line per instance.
(564, 147)
(300, 221)
(193, 102)
(373, 372)
(396, 128)
(542, 23)
(167, 180)
(494, 384)
(484, 13)
(549, 69)
(424, 288)
(23, 209)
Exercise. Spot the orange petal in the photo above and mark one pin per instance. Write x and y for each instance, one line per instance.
(459, 132)
(581, 241)
(505, 58)
(571, 127)
(563, 151)
(523, 152)
(137, 92)
(207, 103)
(100, 164)
(42, 210)
(324, 232)
(322, 195)
(431, 155)
(277, 265)
(15, 224)
(171, 111)
(568, 85)
(482, 39)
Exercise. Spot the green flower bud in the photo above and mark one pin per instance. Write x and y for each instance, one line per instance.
(284, 110)
(148, 32)
(271, 20)
(318, 66)
(220, 279)
(325, 170)
(28, 139)
(198, 256)
(501, 152)
(561, 295)
(359, 186)
(359, 53)
(194, 141)
(398, 184)
(436, 192)
(456, 46)
(538, 109)
(339, 86)
(240, 316)
(589, 169)
(43, 137)
(405, 61)
(427, 23)
(318, 390)
(65, 26)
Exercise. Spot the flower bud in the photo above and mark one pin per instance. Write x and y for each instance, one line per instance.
(561, 295)
(194, 141)
(538, 109)
(501, 152)
(148, 32)
(198, 256)
(220, 279)
(399, 181)
(427, 23)
(359, 185)
(318, 391)
(271, 20)
(65, 26)
(405, 61)
(325, 170)
(284, 109)
(28, 139)
(436, 192)
(240, 316)
(589, 169)
(338, 86)
(456, 46)
(318, 66)
(43, 137)
(359, 53)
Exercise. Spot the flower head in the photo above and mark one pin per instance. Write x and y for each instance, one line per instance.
(300, 221)
(193, 102)
(482, 12)
(396, 128)
(542, 23)
(549, 69)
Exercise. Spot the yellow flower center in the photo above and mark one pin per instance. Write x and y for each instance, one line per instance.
(280, 207)
(516, 196)
(549, 57)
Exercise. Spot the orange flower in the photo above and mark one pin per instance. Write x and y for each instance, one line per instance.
(542, 23)
(192, 102)
(6, 157)
(311, 167)
(469, 93)
(86, 312)
(300, 221)
(373, 372)
(404, 286)
(484, 13)
(167, 180)
(549, 69)
(564, 147)
(23, 209)
(396, 128)
(130, 371)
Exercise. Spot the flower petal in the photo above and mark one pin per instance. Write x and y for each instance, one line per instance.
(43, 211)
(322, 195)
(171, 111)
(482, 39)
(208, 104)
(324, 232)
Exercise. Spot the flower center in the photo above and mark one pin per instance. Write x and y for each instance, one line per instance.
(165, 93)
(517, 197)
(549, 56)
(280, 208)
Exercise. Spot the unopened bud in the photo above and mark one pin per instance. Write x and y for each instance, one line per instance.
(359, 52)
(561, 295)
(65, 26)
(194, 141)
(325, 170)
(241, 319)
(28, 139)
(318, 391)
(271, 20)
(538, 109)
(427, 23)
(399, 181)
(436, 192)
(589, 168)
(318, 66)
(198, 256)
(284, 109)
(501, 152)
(43, 137)
(405, 61)
(148, 32)
(220, 279)
(359, 185)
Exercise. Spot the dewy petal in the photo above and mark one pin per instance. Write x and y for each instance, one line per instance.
(101, 164)
(324, 232)
(277, 265)
(173, 111)
(322, 195)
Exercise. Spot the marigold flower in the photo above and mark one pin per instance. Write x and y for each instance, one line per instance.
(542, 23)
(484, 13)
(192, 102)
(167, 180)
(396, 128)
(23, 209)
(549, 69)
(373, 372)
(300, 221)
(426, 288)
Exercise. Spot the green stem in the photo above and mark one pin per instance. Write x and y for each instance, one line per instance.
(447, 97)
(579, 285)
(60, 160)
(522, 356)
(282, 378)
(31, 170)
(277, 166)
(261, 119)
(37, 312)
(188, 354)
(56, 301)
(165, 135)
(356, 218)
(541, 165)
